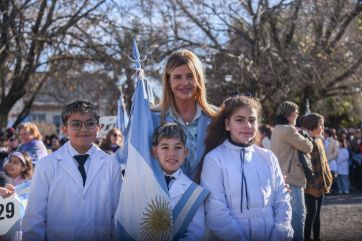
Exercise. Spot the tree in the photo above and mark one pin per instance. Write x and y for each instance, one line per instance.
(296, 50)
(32, 32)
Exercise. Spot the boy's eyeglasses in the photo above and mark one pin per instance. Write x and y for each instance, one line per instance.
(77, 124)
(116, 135)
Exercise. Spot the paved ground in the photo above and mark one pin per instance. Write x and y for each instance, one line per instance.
(341, 217)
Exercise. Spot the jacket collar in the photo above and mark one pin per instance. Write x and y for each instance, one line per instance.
(65, 158)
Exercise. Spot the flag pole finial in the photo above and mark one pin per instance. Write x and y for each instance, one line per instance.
(136, 55)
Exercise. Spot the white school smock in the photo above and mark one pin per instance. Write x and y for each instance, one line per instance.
(72, 212)
(269, 213)
(178, 186)
(342, 161)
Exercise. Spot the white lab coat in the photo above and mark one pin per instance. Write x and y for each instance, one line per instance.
(269, 213)
(60, 208)
(343, 161)
(178, 186)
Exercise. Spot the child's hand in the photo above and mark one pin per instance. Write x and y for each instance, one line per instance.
(7, 191)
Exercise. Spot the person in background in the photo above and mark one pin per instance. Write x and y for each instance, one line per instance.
(286, 141)
(113, 141)
(46, 141)
(4, 150)
(265, 131)
(31, 142)
(343, 167)
(54, 142)
(315, 192)
(331, 146)
(355, 136)
(12, 138)
(248, 198)
(18, 168)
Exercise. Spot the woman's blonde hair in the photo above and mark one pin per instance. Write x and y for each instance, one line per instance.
(32, 129)
(176, 59)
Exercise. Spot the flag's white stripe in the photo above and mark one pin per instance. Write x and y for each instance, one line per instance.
(137, 194)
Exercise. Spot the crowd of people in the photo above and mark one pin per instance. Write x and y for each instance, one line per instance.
(263, 182)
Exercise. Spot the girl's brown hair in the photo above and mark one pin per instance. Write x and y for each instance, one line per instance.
(216, 132)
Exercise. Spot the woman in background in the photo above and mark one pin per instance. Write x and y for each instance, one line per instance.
(31, 142)
(113, 141)
(331, 145)
(314, 192)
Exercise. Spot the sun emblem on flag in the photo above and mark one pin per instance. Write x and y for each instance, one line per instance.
(157, 220)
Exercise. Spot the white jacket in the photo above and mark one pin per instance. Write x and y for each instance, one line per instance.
(269, 214)
(60, 208)
(178, 186)
(342, 161)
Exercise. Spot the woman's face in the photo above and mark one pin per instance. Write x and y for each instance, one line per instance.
(25, 136)
(183, 83)
(116, 138)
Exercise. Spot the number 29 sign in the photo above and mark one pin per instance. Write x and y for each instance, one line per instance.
(9, 213)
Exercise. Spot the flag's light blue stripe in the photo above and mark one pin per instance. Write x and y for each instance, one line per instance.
(122, 234)
(189, 203)
(143, 127)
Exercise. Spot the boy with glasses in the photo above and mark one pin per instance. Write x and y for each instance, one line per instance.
(75, 190)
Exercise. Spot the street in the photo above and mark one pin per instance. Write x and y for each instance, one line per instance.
(341, 217)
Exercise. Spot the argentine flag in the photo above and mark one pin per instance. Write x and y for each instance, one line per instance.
(122, 118)
(144, 209)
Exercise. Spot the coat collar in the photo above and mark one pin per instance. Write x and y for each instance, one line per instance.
(229, 145)
(180, 185)
(65, 158)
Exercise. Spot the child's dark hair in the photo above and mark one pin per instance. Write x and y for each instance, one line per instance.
(311, 121)
(216, 132)
(266, 130)
(79, 106)
(168, 130)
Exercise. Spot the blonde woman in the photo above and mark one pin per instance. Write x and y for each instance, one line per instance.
(31, 141)
(184, 102)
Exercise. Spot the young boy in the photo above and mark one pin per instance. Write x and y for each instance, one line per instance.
(75, 190)
(168, 147)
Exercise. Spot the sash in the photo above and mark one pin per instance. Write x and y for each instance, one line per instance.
(186, 208)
